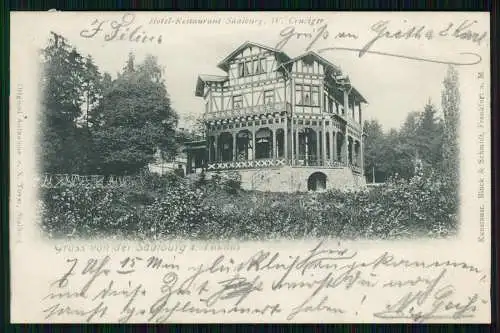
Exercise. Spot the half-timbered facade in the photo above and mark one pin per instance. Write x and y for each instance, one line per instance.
(271, 111)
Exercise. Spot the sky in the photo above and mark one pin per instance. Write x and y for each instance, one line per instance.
(392, 86)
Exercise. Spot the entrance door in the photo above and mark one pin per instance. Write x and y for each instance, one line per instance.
(316, 182)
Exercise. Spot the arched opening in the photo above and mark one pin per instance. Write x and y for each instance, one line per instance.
(357, 153)
(316, 182)
(226, 147)
(263, 143)
(340, 147)
(308, 146)
(244, 149)
(211, 148)
(280, 142)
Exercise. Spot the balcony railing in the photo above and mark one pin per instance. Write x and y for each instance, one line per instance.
(247, 111)
(279, 162)
(263, 163)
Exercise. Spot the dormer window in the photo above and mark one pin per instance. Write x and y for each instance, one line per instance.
(248, 68)
(252, 67)
(307, 66)
(259, 66)
(242, 69)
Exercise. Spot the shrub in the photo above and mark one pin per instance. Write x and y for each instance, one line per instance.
(86, 210)
(167, 206)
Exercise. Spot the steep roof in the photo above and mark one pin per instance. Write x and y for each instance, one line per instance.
(328, 64)
(224, 63)
(202, 78)
(317, 57)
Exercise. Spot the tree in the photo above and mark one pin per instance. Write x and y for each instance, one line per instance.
(91, 88)
(61, 82)
(135, 119)
(429, 137)
(397, 155)
(372, 148)
(450, 99)
(408, 140)
(397, 152)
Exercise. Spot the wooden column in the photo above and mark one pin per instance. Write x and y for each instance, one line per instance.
(285, 138)
(275, 150)
(345, 147)
(318, 151)
(333, 142)
(234, 146)
(253, 140)
(358, 154)
(352, 151)
(210, 145)
(323, 152)
(296, 148)
(216, 148)
(362, 159)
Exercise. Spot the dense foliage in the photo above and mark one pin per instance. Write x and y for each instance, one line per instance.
(168, 207)
(94, 124)
(423, 139)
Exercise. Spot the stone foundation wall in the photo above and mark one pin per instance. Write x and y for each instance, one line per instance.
(294, 179)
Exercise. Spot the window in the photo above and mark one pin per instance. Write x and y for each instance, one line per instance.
(241, 69)
(298, 94)
(248, 68)
(268, 97)
(307, 67)
(206, 107)
(237, 101)
(259, 66)
(256, 67)
(245, 68)
(306, 95)
(263, 66)
(315, 96)
(330, 105)
(252, 67)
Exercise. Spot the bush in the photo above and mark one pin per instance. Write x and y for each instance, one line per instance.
(86, 211)
(166, 206)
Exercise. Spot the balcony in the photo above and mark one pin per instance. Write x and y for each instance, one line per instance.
(279, 162)
(247, 111)
(251, 164)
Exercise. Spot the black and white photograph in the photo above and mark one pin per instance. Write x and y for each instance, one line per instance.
(232, 143)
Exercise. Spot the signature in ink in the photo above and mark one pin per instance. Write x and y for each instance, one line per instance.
(430, 303)
(120, 30)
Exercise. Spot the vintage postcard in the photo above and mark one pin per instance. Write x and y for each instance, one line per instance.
(279, 167)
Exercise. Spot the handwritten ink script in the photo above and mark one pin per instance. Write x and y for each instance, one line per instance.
(124, 29)
(332, 282)
(313, 36)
